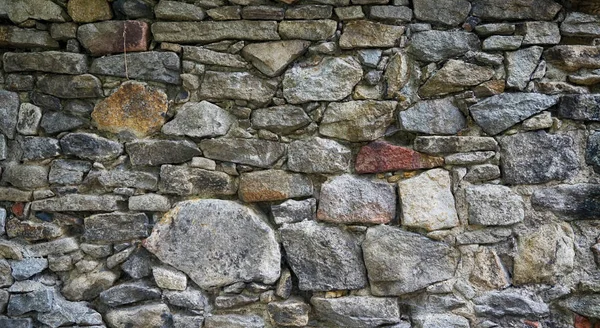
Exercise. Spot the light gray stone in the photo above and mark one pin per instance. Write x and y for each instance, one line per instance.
(515, 9)
(205, 32)
(129, 292)
(149, 203)
(392, 257)
(314, 30)
(210, 57)
(272, 58)
(115, 227)
(183, 180)
(441, 320)
(27, 267)
(70, 86)
(438, 116)
(234, 321)
(47, 61)
(28, 119)
(191, 298)
(367, 34)
(255, 152)
(90, 146)
(151, 66)
(455, 76)
(158, 151)
(357, 120)
(493, 205)
(446, 12)
(510, 302)
(9, 111)
(469, 158)
(332, 79)
(292, 211)
(578, 201)
(205, 251)
(201, 119)
(26, 177)
(520, 65)
(502, 42)
(318, 155)
(148, 315)
(77, 202)
(339, 265)
(128, 179)
(433, 46)
(57, 246)
(169, 278)
(357, 311)
(65, 312)
(391, 14)
(283, 119)
(541, 33)
(585, 305)
(178, 11)
(580, 24)
(237, 86)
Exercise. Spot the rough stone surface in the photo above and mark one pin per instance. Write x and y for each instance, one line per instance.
(201, 119)
(182, 180)
(447, 12)
(261, 153)
(15, 37)
(76, 203)
(357, 120)
(313, 30)
(292, 211)
(323, 257)
(36, 148)
(573, 57)
(234, 321)
(8, 112)
(515, 9)
(147, 315)
(237, 85)
(70, 86)
(579, 201)
(455, 76)
(318, 155)
(438, 116)
(272, 58)
(116, 226)
(580, 107)
(114, 37)
(90, 146)
(152, 66)
(520, 65)
(494, 205)
(592, 151)
(46, 61)
(194, 32)
(437, 45)
(178, 11)
(154, 152)
(357, 311)
(204, 249)
(289, 313)
(272, 185)
(283, 119)
(510, 302)
(26, 177)
(128, 293)
(87, 11)
(366, 34)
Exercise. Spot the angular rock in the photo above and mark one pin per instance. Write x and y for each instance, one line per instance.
(392, 257)
(191, 298)
(441, 320)
(366, 34)
(87, 11)
(57, 246)
(433, 46)
(579, 201)
(201, 119)
(78, 203)
(439, 116)
(71, 86)
(515, 9)
(237, 86)
(585, 305)
(262, 12)
(226, 243)
(114, 37)
(155, 152)
(357, 120)
(488, 271)
(32, 230)
(147, 316)
(455, 76)
(272, 185)
(397, 73)
(502, 43)
(313, 30)
(391, 14)
(6, 278)
(510, 302)
(318, 155)
(592, 151)
(64, 31)
(205, 32)
(64, 312)
(115, 227)
(357, 311)
(9, 111)
(380, 156)
(39, 301)
(149, 203)
(28, 267)
(133, 8)
(580, 107)
(292, 211)
(537, 157)
(36, 148)
(255, 152)
(47, 61)
(580, 25)
(498, 113)
(89, 285)
(332, 79)
(169, 278)
(128, 179)
(289, 313)
(16, 323)
(210, 57)
(234, 301)
(453, 144)
(20, 11)
(14, 37)
(139, 264)
(178, 11)
(26, 177)
(541, 33)
(272, 58)
(469, 158)
(55, 122)
(234, 321)
(573, 57)
(493, 205)
(28, 119)
(427, 201)
(323, 257)
(309, 12)
(447, 12)
(134, 108)
(283, 119)
(90, 146)
(183, 180)
(349, 199)
(67, 172)
(150, 66)
(520, 65)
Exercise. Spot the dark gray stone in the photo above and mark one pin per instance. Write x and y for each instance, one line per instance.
(147, 315)
(585, 305)
(592, 151)
(71, 86)
(498, 113)
(580, 107)
(129, 292)
(150, 66)
(39, 301)
(446, 12)
(510, 302)
(26, 177)
(77, 203)
(9, 111)
(65, 312)
(45, 101)
(537, 157)
(15, 323)
(579, 201)
(205, 32)
(48, 61)
(36, 148)
(515, 9)
(237, 86)
(133, 9)
(438, 116)
(183, 180)
(139, 264)
(323, 257)
(178, 11)
(55, 122)
(280, 119)
(68, 172)
(14, 37)
(433, 46)
(90, 146)
(20, 82)
(211, 57)
(357, 311)
(156, 152)
(115, 227)
(255, 152)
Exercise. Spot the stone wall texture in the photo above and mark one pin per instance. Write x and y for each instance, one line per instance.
(300, 163)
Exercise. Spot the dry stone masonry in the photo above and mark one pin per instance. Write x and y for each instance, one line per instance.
(300, 163)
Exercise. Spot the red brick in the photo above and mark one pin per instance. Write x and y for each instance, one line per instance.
(380, 156)
(114, 37)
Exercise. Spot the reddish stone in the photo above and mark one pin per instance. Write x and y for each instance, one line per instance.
(532, 324)
(114, 37)
(18, 209)
(380, 156)
(583, 322)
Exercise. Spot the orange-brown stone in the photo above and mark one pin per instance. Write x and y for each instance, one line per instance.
(380, 156)
(582, 322)
(134, 108)
(87, 11)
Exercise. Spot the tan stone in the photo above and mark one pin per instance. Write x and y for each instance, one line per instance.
(87, 11)
(134, 107)
(489, 271)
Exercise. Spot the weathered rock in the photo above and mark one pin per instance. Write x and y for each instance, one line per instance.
(28, 267)
(201, 119)
(309, 12)
(455, 76)
(134, 108)
(183, 180)
(64, 31)
(225, 13)
(47, 61)
(537, 157)
(151, 66)
(544, 255)
(70, 86)
(427, 201)
(39, 301)
(169, 278)
(323, 257)
(234, 301)
(440, 320)
(318, 155)
(579, 201)
(26, 177)
(57, 246)
(9, 111)
(36, 148)
(114, 37)
(20, 11)
(283, 119)
(592, 151)
(67, 172)
(271, 185)
(147, 315)
(190, 298)
(541, 33)
(87, 11)
(272, 58)
(493, 205)
(469, 158)
(292, 211)
(498, 113)
(397, 73)
(438, 116)
(77, 203)
(6, 278)
(237, 85)
(580, 107)
(28, 119)
(515, 9)
(348, 199)
(314, 30)
(204, 249)
(391, 14)
(90, 146)
(520, 65)
(16, 323)
(586, 305)
(210, 57)
(434, 46)
(139, 264)
(128, 179)
(502, 42)
(332, 79)
(366, 34)
(115, 227)
(573, 57)
(65, 312)
(55, 122)
(488, 271)
(392, 257)
(32, 230)
(289, 313)
(178, 11)
(580, 24)
(204, 32)
(510, 302)
(453, 144)
(149, 203)
(357, 120)
(234, 321)
(14, 37)
(156, 151)
(380, 156)
(447, 12)
(255, 152)
(357, 311)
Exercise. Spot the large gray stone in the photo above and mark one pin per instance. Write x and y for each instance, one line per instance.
(39, 301)
(68, 172)
(332, 79)
(313, 30)
(47, 61)
(205, 32)
(54, 122)
(510, 302)
(455, 76)
(70, 86)
(115, 227)
(573, 57)
(191, 298)
(367, 34)
(14, 37)
(217, 243)
(438, 116)
(498, 113)
(585, 305)
(9, 111)
(153, 315)
(27, 267)
(537, 157)
(580, 107)
(183, 180)
(21, 10)
(401, 262)
(77, 202)
(201, 119)
(90, 146)
(579, 201)
(292, 211)
(580, 24)
(26, 177)
(151, 66)
(129, 292)
(515, 9)
(493, 205)
(178, 11)
(318, 155)
(357, 120)
(149, 203)
(283, 119)
(36, 148)
(255, 152)
(357, 311)
(520, 65)
(272, 58)
(323, 257)
(237, 86)
(541, 33)
(157, 151)
(64, 312)
(447, 12)
(434, 45)
(350, 199)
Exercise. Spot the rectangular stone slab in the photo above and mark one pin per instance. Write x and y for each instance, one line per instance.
(192, 32)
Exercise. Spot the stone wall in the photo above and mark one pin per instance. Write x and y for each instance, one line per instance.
(320, 163)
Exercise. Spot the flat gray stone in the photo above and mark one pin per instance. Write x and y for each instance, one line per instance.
(255, 152)
(579, 201)
(367, 34)
(149, 203)
(150, 66)
(438, 116)
(153, 152)
(494, 205)
(39, 301)
(20, 10)
(357, 120)
(129, 292)
(318, 155)
(36, 148)
(210, 57)
(580, 107)
(237, 86)
(128, 179)
(510, 302)
(26, 177)
(14, 37)
(391, 14)
(292, 211)
(201, 119)
(71, 86)
(282, 119)
(541, 33)
(592, 151)
(272, 58)
(68, 172)
(585, 305)
(47, 61)
(205, 32)
(289, 313)
(16, 323)
(338, 265)
(65, 312)
(234, 321)
(90, 146)
(446, 12)
(27, 267)
(178, 11)
(153, 315)
(226, 243)
(183, 180)
(441, 320)
(433, 46)
(191, 298)
(115, 227)
(313, 30)
(392, 257)
(502, 42)
(77, 202)
(9, 111)
(520, 65)
(357, 311)
(515, 9)
(455, 76)
(453, 144)
(55, 122)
